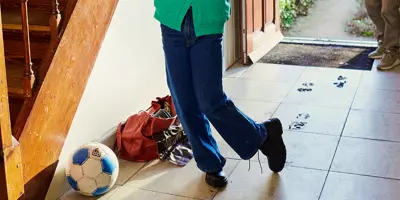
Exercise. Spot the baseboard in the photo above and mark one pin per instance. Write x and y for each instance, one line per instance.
(109, 137)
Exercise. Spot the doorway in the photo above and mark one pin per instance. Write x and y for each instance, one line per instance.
(258, 27)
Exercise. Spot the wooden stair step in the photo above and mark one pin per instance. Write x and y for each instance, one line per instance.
(15, 48)
(38, 20)
(15, 73)
(15, 108)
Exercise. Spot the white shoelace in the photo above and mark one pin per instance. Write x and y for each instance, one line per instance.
(259, 162)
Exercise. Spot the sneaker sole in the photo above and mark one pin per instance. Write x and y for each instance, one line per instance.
(215, 184)
(397, 63)
(282, 148)
(375, 57)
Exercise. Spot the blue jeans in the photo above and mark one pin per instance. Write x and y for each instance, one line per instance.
(194, 75)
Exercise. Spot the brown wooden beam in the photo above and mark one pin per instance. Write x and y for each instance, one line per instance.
(48, 124)
(44, 67)
(11, 181)
(11, 171)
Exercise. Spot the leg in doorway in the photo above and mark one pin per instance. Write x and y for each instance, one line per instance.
(374, 8)
(391, 16)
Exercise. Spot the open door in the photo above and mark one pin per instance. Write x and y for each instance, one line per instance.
(260, 25)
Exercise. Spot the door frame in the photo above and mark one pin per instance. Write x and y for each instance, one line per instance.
(254, 45)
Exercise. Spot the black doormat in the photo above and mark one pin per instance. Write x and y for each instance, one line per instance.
(320, 56)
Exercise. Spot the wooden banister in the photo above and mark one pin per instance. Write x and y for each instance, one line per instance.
(55, 20)
(28, 78)
(46, 61)
(11, 174)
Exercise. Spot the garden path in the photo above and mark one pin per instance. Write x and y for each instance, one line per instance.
(327, 19)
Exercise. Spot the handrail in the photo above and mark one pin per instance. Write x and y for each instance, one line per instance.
(28, 78)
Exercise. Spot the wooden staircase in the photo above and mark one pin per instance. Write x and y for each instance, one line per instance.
(28, 30)
(42, 41)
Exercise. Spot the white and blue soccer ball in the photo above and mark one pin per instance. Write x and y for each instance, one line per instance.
(92, 169)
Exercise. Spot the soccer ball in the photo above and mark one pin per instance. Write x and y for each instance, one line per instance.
(92, 169)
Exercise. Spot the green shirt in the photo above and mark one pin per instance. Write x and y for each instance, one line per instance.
(209, 16)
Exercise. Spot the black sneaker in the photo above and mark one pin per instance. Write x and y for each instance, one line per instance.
(274, 147)
(217, 180)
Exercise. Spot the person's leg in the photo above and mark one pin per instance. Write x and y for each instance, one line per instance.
(391, 15)
(374, 8)
(195, 124)
(243, 134)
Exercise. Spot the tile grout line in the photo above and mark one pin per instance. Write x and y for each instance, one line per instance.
(375, 111)
(305, 105)
(376, 89)
(380, 89)
(221, 189)
(286, 94)
(333, 158)
(145, 164)
(343, 136)
(246, 67)
(365, 175)
(242, 72)
(372, 139)
(291, 88)
(175, 195)
(116, 190)
(340, 139)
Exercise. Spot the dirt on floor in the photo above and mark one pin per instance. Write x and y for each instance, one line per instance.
(327, 19)
(320, 56)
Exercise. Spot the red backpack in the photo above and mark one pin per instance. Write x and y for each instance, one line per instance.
(135, 136)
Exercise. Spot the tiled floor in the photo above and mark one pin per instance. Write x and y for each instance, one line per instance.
(349, 148)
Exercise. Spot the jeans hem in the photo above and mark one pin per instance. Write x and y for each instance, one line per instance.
(256, 150)
(213, 170)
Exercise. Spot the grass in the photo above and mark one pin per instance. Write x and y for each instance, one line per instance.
(361, 24)
(291, 9)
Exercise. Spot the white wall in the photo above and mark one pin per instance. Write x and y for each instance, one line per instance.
(128, 74)
(232, 36)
